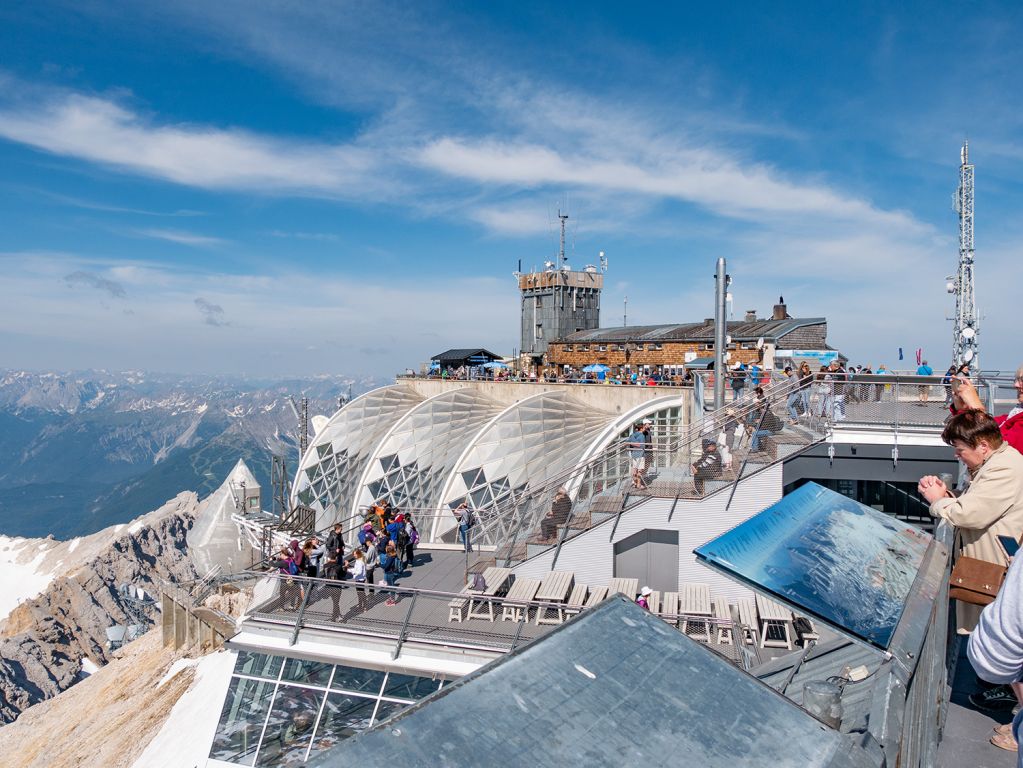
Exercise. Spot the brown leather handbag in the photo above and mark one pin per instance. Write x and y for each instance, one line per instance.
(975, 581)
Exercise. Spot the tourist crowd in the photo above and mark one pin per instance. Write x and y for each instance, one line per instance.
(386, 542)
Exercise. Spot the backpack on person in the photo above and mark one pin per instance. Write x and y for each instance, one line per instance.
(470, 521)
(414, 536)
(403, 540)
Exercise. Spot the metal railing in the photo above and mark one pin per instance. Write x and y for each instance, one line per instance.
(401, 615)
(603, 487)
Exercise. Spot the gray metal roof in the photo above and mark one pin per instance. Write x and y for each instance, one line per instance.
(739, 330)
(459, 355)
(614, 686)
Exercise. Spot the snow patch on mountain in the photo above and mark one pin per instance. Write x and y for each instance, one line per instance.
(196, 713)
(26, 569)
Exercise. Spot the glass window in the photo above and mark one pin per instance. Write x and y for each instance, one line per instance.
(258, 665)
(367, 681)
(290, 726)
(309, 672)
(409, 686)
(386, 709)
(344, 715)
(241, 720)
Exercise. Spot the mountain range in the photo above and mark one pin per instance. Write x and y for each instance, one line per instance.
(83, 450)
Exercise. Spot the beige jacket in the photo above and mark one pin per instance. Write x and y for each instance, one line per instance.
(992, 506)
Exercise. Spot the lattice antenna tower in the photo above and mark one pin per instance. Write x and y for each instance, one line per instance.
(964, 335)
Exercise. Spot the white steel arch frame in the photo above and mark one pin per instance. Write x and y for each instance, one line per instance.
(385, 446)
(538, 438)
(339, 450)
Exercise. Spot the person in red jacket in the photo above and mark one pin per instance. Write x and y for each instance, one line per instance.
(1011, 424)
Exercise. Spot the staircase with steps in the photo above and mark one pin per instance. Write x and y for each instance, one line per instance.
(601, 488)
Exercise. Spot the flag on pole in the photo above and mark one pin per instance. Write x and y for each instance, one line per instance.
(919, 355)
(900, 353)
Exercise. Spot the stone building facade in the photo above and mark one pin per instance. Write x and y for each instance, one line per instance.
(668, 348)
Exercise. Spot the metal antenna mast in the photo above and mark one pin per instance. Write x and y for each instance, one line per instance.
(561, 251)
(964, 339)
(301, 411)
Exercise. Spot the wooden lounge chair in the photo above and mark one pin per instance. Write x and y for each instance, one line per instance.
(597, 596)
(516, 602)
(669, 608)
(457, 605)
(748, 617)
(695, 600)
(724, 616)
(577, 600)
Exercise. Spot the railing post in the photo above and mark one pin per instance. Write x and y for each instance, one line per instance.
(563, 536)
(404, 627)
(518, 629)
(742, 468)
(301, 613)
(618, 517)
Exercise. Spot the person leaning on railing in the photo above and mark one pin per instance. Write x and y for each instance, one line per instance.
(991, 506)
(964, 396)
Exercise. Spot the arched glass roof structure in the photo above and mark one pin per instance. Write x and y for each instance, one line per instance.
(336, 458)
(527, 443)
(429, 454)
(414, 459)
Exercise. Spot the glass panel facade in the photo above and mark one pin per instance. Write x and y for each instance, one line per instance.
(301, 715)
(386, 709)
(258, 665)
(343, 716)
(829, 556)
(241, 721)
(289, 729)
(409, 687)
(309, 672)
(364, 681)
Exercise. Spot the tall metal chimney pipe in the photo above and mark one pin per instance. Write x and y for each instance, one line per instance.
(720, 371)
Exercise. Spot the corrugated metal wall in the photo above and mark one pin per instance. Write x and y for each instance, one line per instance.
(591, 555)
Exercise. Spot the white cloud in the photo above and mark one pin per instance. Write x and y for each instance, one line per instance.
(704, 178)
(104, 132)
(181, 237)
(263, 323)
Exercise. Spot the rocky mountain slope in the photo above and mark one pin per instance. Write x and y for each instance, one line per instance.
(84, 450)
(51, 640)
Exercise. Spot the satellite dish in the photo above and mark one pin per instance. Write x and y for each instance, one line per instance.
(968, 333)
(967, 355)
(760, 343)
(950, 287)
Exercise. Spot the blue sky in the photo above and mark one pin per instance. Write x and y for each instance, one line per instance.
(347, 187)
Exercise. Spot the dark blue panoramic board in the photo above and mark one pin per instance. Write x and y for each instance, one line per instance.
(839, 560)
